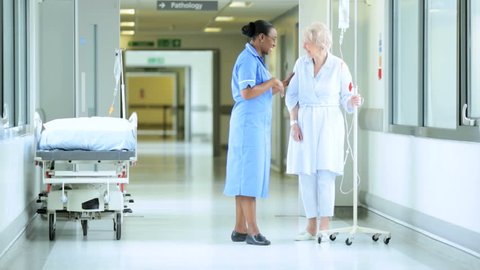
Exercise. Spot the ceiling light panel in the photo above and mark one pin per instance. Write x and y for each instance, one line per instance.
(240, 4)
(127, 24)
(224, 18)
(212, 29)
(129, 11)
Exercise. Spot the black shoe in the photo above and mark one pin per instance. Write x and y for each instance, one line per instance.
(258, 240)
(238, 237)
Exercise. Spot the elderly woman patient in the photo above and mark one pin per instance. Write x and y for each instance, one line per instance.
(321, 85)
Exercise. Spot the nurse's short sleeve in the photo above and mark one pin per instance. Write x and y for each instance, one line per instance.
(247, 70)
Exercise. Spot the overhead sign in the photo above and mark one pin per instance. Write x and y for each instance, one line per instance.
(187, 5)
(141, 43)
(169, 43)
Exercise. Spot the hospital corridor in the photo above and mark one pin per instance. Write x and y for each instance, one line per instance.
(181, 220)
(220, 134)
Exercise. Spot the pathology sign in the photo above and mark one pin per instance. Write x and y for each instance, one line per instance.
(187, 5)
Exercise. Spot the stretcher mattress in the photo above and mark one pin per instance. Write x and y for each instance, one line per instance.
(84, 155)
(89, 134)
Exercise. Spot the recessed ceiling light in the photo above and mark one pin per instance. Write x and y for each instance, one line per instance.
(127, 32)
(240, 4)
(127, 11)
(224, 18)
(212, 29)
(127, 24)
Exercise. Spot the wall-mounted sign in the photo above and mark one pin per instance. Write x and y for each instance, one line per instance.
(169, 43)
(187, 5)
(156, 60)
(141, 43)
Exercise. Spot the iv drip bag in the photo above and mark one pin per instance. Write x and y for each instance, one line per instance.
(117, 69)
(343, 14)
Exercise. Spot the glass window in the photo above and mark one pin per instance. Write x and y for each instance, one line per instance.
(474, 55)
(20, 63)
(1, 61)
(8, 62)
(441, 64)
(14, 66)
(407, 63)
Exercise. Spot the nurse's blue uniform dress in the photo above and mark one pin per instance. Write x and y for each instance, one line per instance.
(249, 142)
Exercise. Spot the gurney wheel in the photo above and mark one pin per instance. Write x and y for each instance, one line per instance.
(118, 221)
(51, 226)
(84, 227)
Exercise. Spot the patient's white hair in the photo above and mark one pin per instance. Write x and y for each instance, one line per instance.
(319, 34)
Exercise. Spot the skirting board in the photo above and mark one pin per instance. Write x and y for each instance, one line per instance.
(17, 227)
(451, 234)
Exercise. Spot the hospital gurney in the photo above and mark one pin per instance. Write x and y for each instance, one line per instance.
(85, 164)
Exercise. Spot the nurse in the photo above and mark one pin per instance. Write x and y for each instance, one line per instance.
(321, 85)
(248, 157)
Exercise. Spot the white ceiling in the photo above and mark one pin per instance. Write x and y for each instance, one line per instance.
(149, 20)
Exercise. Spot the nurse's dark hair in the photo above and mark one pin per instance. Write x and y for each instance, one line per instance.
(253, 29)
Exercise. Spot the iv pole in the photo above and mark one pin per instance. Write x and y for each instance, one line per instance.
(355, 229)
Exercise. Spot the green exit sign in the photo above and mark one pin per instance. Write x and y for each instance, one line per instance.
(156, 60)
(141, 43)
(169, 43)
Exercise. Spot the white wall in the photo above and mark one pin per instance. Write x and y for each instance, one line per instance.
(200, 93)
(427, 175)
(17, 179)
(20, 184)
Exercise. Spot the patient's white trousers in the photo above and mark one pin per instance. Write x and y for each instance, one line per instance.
(318, 193)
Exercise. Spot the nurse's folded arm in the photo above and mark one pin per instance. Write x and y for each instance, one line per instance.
(257, 90)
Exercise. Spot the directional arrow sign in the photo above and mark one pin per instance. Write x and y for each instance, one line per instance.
(187, 5)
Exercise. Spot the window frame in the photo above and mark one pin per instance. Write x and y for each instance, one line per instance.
(14, 67)
(461, 132)
(20, 63)
(1, 62)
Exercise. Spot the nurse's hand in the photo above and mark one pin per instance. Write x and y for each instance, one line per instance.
(286, 82)
(277, 87)
(296, 132)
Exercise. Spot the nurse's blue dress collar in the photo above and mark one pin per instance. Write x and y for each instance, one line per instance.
(254, 52)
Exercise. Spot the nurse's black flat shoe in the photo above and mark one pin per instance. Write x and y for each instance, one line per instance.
(238, 237)
(258, 240)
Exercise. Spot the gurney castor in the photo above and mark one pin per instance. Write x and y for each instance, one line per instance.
(51, 226)
(117, 226)
(84, 223)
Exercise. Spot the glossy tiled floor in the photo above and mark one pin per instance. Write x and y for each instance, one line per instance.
(181, 220)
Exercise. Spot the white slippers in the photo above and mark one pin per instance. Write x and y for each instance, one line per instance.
(305, 236)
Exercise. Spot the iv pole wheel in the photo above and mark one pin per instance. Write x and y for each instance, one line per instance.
(386, 240)
(333, 236)
(348, 242)
(375, 237)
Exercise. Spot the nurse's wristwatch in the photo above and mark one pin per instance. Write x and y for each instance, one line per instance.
(293, 122)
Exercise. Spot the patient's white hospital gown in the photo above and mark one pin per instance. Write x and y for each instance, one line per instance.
(320, 117)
